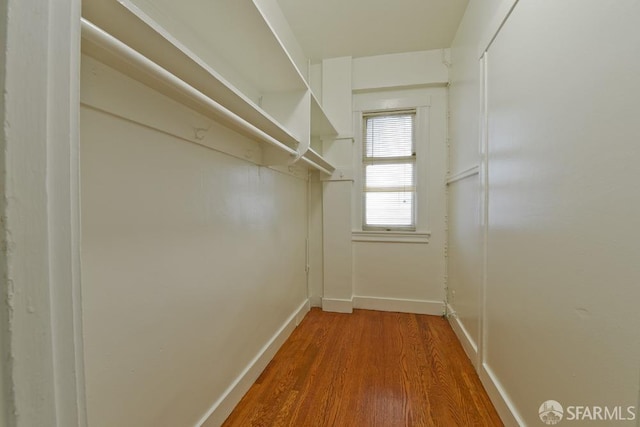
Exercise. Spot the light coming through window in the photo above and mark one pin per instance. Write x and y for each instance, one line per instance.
(389, 166)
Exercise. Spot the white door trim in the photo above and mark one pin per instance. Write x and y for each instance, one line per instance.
(40, 261)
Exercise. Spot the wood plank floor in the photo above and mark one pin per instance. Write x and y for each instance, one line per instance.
(366, 369)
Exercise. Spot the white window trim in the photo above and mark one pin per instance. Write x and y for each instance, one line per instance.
(396, 100)
(390, 236)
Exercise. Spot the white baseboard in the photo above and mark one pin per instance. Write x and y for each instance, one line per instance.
(315, 301)
(337, 305)
(499, 398)
(468, 344)
(435, 308)
(221, 409)
(496, 393)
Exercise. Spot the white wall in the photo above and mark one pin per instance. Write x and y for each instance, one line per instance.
(560, 318)
(193, 260)
(465, 259)
(316, 261)
(400, 70)
(465, 244)
(408, 275)
(337, 261)
(464, 92)
(360, 270)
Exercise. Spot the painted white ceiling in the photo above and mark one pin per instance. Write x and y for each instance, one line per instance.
(332, 28)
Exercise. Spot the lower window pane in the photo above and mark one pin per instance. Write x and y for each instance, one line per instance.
(389, 209)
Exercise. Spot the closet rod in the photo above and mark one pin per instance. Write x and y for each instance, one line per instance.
(105, 40)
(315, 165)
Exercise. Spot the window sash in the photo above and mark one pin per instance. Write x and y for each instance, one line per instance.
(398, 113)
(397, 218)
(404, 218)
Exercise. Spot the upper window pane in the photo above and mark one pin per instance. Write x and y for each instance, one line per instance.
(389, 136)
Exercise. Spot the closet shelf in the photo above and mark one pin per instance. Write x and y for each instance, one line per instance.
(104, 47)
(219, 58)
(129, 24)
(322, 164)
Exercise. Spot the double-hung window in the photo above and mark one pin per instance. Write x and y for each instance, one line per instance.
(389, 171)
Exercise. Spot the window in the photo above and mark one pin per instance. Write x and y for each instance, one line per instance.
(389, 171)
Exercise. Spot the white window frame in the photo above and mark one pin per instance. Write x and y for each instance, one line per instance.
(390, 100)
(390, 160)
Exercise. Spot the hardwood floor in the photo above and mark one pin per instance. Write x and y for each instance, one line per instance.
(366, 369)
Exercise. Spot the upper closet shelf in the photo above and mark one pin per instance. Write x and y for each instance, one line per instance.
(106, 48)
(223, 49)
(230, 36)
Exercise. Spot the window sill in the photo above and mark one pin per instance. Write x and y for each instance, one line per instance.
(390, 236)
